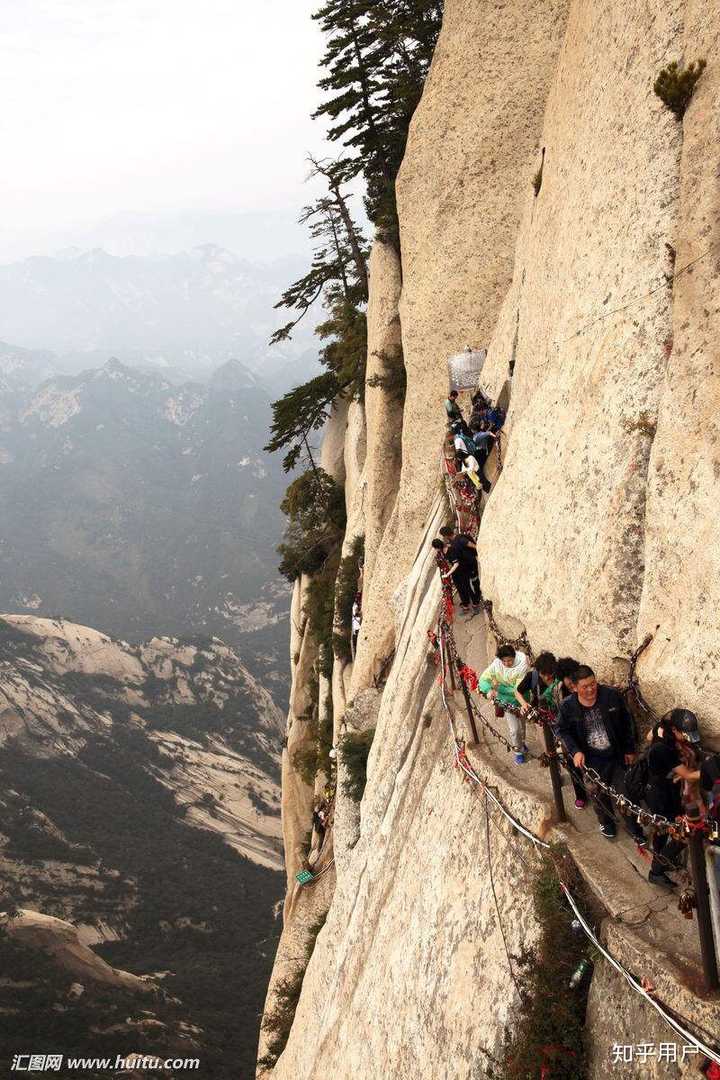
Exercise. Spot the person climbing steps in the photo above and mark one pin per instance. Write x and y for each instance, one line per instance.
(483, 442)
(498, 683)
(446, 569)
(453, 410)
(566, 668)
(462, 553)
(599, 733)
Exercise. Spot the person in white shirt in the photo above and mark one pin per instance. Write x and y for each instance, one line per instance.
(469, 466)
(499, 682)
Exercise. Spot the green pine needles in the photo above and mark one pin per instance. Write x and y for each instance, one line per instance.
(354, 750)
(314, 505)
(675, 85)
(547, 1028)
(346, 584)
(313, 756)
(377, 56)
(278, 1023)
(393, 377)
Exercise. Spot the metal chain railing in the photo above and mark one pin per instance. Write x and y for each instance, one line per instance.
(677, 829)
(520, 642)
(685, 829)
(681, 827)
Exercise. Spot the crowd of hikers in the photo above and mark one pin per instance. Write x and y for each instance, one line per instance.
(591, 723)
(474, 441)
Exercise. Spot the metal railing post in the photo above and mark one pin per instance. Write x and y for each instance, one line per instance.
(702, 895)
(450, 668)
(712, 868)
(471, 715)
(554, 772)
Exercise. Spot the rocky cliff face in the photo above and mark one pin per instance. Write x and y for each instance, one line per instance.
(209, 726)
(602, 336)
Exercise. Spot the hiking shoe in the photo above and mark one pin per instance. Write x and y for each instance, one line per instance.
(609, 831)
(661, 879)
(640, 842)
(580, 804)
(520, 757)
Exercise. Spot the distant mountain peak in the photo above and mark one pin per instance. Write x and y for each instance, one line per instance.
(113, 364)
(214, 251)
(192, 309)
(117, 371)
(233, 375)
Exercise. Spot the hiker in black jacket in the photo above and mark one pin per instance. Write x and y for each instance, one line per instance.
(566, 668)
(598, 732)
(462, 552)
(662, 796)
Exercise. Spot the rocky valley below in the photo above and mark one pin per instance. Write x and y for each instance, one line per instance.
(140, 855)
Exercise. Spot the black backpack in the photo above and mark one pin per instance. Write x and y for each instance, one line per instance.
(712, 769)
(636, 779)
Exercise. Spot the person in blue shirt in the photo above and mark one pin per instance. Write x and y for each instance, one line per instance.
(495, 417)
(483, 442)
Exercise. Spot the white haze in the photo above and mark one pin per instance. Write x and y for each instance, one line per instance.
(155, 124)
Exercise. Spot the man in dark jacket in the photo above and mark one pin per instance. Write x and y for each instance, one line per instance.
(674, 741)
(466, 577)
(452, 409)
(598, 733)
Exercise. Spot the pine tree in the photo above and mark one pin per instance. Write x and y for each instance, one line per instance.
(335, 174)
(315, 507)
(340, 251)
(377, 57)
(297, 414)
(378, 54)
(338, 277)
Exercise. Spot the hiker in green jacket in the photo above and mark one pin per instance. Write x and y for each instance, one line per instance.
(546, 687)
(498, 683)
(541, 686)
(452, 409)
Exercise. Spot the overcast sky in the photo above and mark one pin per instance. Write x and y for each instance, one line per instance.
(152, 106)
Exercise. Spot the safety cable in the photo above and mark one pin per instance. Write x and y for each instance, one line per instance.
(714, 1055)
(664, 284)
(446, 640)
(461, 759)
(492, 886)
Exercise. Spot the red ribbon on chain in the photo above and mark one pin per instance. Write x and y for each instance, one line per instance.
(469, 677)
(695, 826)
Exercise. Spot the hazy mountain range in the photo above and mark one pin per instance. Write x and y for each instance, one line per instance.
(140, 849)
(141, 506)
(257, 235)
(184, 313)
